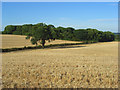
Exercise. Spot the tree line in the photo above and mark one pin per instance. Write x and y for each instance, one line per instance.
(39, 33)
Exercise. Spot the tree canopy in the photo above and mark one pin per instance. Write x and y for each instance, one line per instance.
(41, 32)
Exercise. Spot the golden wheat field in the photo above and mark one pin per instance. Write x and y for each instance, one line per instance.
(86, 66)
(13, 41)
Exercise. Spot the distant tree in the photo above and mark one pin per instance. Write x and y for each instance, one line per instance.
(80, 35)
(18, 30)
(68, 33)
(26, 29)
(40, 33)
(9, 29)
(52, 33)
(59, 31)
(107, 36)
(117, 37)
(93, 35)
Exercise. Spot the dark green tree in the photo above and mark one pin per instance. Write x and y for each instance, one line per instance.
(107, 36)
(93, 35)
(26, 29)
(18, 30)
(40, 33)
(80, 35)
(9, 29)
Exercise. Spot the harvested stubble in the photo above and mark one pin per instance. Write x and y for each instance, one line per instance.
(91, 66)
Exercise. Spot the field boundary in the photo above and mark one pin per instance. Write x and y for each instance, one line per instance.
(37, 47)
(5, 50)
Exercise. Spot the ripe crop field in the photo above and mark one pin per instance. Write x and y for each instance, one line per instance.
(86, 66)
(13, 41)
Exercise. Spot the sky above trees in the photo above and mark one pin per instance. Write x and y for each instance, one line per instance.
(99, 15)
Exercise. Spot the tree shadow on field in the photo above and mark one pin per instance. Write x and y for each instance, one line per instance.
(54, 46)
(63, 47)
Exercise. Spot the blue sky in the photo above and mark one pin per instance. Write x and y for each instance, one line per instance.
(100, 15)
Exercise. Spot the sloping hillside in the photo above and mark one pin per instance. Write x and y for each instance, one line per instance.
(91, 66)
(13, 41)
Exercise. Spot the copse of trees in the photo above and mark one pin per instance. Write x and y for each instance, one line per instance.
(9, 29)
(93, 35)
(39, 33)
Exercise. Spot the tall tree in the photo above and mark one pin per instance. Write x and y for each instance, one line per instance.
(40, 33)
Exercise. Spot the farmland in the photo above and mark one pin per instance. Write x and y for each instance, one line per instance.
(14, 41)
(86, 65)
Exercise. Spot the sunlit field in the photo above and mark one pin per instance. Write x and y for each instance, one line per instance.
(87, 65)
(16, 41)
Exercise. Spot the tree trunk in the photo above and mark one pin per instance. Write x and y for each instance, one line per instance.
(43, 43)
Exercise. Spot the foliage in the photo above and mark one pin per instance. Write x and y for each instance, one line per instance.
(26, 28)
(107, 36)
(40, 33)
(117, 37)
(9, 29)
(18, 30)
(80, 35)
